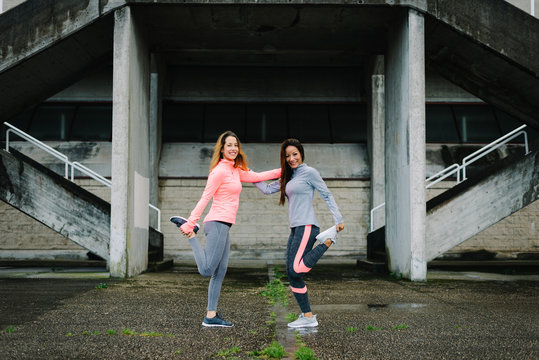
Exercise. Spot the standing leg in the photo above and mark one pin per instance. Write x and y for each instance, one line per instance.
(213, 261)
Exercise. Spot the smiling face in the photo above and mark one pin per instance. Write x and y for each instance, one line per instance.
(230, 148)
(293, 156)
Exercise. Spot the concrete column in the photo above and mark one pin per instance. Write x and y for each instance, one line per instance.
(376, 147)
(405, 147)
(156, 91)
(130, 147)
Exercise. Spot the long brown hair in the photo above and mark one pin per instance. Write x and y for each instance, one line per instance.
(241, 159)
(286, 170)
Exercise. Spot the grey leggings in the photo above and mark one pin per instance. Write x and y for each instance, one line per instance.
(213, 260)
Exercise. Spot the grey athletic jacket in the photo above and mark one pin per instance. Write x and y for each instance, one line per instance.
(300, 194)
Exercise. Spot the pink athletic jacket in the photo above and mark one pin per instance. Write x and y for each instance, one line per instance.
(224, 185)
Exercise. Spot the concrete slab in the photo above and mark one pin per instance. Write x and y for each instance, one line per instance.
(361, 315)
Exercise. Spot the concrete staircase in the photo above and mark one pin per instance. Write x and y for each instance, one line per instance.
(62, 205)
(472, 206)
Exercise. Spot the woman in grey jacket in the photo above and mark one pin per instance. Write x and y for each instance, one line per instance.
(297, 183)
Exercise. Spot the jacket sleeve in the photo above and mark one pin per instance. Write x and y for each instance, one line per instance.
(251, 176)
(318, 183)
(268, 188)
(215, 179)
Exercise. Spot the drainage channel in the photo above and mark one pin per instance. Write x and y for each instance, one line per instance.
(284, 336)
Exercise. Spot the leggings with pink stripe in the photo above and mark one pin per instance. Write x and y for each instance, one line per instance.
(300, 259)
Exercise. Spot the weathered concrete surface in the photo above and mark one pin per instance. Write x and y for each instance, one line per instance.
(444, 319)
(130, 193)
(467, 41)
(56, 202)
(405, 147)
(479, 204)
(488, 48)
(46, 46)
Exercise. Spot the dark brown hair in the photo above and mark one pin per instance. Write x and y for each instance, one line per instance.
(286, 170)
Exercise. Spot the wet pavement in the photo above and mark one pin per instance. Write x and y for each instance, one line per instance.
(82, 314)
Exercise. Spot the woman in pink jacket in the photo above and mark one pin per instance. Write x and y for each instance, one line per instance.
(228, 168)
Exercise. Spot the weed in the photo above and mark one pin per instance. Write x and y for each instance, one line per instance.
(304, 353)
(151, 333)
(170, 335)
(85, 333)
(178, 352)
(96, 333)
(111, 332)
(69, 334)
(351, 329)
(128, 332)
(276, 292)
(228, 352)
(253, 332)
(274, 351)
(9, 329)
(277, 273)
(372, 328)
(397, 276)
(291, 316)
(401, 327)
(101, 286)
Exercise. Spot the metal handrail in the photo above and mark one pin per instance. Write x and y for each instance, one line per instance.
(74, 165)
(37, 143)
(83, 169)
(158, 216)
(473, 157)
(372, 214)
(446, 173)
(466, 161)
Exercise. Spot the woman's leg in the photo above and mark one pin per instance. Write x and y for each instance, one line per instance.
(300, 259)
(213, 259)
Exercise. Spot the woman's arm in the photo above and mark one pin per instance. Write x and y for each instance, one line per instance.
(318, 183)
(215, 179)
(270, 188)
(252, 177)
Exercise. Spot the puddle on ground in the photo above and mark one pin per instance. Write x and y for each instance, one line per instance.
(368, 307)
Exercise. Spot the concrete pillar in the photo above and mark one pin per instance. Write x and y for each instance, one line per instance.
(405, 147)
(130, 147)
(376, 141)
(156, 92)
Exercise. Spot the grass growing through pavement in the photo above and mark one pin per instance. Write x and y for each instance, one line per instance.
(276, 291)
(273, 351)
(291, 317)
(228, 352)
(303, 352)
(9, 329)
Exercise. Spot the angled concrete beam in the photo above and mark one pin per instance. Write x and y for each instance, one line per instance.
(55, 202)
(480, 204)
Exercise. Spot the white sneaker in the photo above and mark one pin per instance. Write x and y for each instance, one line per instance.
(303, 322)
(330, 233)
